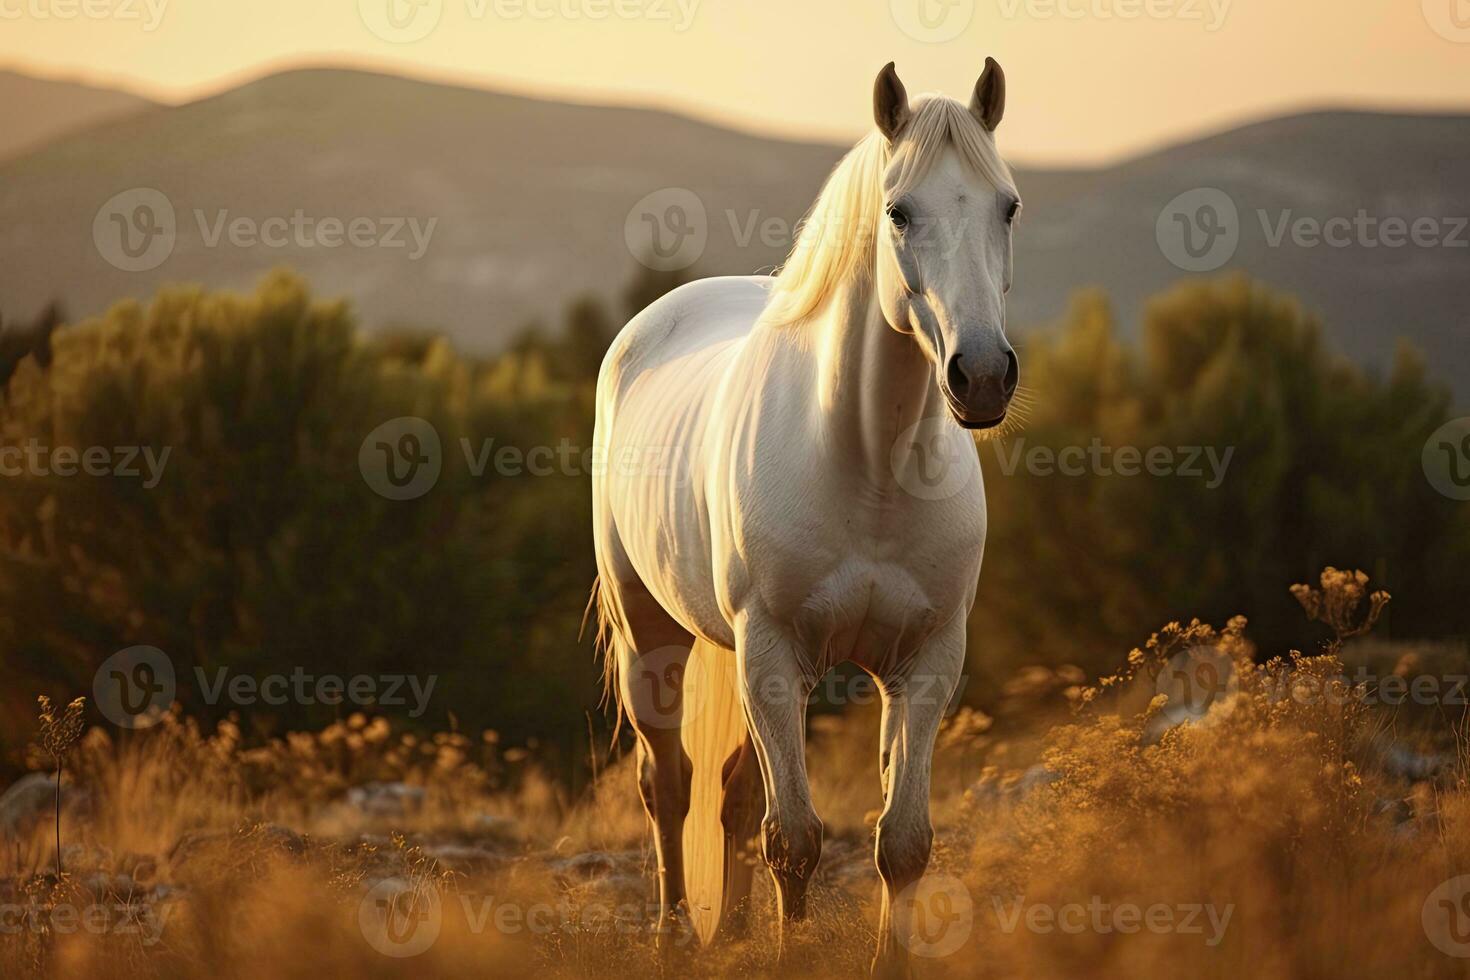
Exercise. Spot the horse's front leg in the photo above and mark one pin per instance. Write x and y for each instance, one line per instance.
(775, 681)
(914, 699)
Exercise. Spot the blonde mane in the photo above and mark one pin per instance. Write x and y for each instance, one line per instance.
(836, 241)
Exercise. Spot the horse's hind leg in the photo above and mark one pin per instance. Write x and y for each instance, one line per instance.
(651, 681)
(741, 807)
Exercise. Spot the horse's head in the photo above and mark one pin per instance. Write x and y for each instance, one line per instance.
(944, 246)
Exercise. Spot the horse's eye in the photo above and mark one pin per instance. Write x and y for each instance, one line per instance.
(1014, 210)
(899, 217)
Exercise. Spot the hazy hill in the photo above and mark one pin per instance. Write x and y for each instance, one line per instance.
(1100, 227)
(34, 110)
(531, 199)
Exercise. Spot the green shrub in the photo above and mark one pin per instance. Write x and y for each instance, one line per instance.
(261, 548)
(1325, 469)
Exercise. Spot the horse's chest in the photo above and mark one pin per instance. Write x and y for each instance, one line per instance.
(863, 596)
(866, 611)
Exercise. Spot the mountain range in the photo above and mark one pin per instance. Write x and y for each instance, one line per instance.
(474, 212)
(34, 111)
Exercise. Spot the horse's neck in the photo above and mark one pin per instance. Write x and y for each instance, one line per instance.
(873, 383)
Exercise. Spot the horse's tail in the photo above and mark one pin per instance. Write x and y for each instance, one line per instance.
(725, 794)
(609, 634)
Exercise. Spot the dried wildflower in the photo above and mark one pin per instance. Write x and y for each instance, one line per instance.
(1338, 603)
(59, 734)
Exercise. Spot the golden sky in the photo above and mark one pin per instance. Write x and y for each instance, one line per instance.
(1089, 80)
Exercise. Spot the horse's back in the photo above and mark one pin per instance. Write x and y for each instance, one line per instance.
(686, 322)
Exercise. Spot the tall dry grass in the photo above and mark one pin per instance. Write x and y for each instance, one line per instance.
(1203, 811)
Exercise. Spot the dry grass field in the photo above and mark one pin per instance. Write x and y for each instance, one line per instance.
(1209, 810)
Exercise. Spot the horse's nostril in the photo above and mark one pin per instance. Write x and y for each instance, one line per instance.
(1013, 373)
(959, 382)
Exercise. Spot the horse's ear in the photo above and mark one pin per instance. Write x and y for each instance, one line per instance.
(890, 103)
(989, 101)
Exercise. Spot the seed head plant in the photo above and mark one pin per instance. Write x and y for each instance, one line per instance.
(59, 734)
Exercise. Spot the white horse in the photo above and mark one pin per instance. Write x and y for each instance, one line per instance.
(754, 519)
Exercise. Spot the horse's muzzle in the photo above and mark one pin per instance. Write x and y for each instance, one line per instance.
(979, 398)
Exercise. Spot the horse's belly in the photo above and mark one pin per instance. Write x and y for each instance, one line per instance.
(654, 469)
